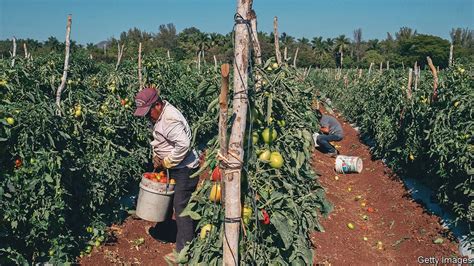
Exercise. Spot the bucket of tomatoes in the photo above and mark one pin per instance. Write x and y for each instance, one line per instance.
(155, 196)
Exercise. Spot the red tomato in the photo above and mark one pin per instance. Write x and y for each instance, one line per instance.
(216, 174)
(18, 163)
(266, 217)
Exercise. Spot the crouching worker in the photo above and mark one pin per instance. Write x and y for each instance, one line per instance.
(331, 130)
(172, 151)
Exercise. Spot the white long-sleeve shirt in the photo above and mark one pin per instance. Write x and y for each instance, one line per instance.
(172, 138)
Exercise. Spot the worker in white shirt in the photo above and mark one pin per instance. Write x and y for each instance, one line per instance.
(171, 150)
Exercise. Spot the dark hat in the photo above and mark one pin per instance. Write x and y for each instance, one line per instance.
(144, 100)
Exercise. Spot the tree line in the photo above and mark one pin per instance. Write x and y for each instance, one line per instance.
(403, 48)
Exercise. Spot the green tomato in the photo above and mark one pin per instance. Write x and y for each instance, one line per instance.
(265, 156)
(276, 160)
(266, 135)
(255, 137)
(10, 120)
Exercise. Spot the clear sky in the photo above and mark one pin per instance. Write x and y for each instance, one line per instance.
(97, 20)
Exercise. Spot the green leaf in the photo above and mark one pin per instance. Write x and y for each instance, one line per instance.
(281, 224)
(48, 178)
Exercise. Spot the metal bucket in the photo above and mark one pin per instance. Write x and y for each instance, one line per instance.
(154, 200)
(348, 164)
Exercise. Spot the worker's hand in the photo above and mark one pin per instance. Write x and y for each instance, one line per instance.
(157, 162)
(167, 163)
(325, 130)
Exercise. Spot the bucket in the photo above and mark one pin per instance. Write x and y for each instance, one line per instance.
(154, 200)
(348, 164)
(315, 139)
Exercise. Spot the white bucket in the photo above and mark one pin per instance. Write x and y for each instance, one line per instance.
(154, 200)
(315, 139)
(348, 164)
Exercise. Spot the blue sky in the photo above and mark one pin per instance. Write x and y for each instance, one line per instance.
(97, 20)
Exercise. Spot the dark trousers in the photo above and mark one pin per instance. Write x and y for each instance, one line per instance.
(183, 189)
(323, 141)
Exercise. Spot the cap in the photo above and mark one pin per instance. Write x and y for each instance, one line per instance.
(144, 100)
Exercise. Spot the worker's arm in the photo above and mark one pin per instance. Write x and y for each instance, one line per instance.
(177, 136)
(325, 130)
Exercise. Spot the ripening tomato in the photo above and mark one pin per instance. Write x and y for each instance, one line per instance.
(266, 217)
(246, 214)
(10, 120)
(18, 163)
(215, 195)
(216, 175)
(205, 231)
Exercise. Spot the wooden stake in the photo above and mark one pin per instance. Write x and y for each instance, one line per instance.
(370, 67)
(285, 54)
(296, 55)
(277, 41)
(388, 65)
(417, 75)
(451, 48)
(199, 61)
(105, 49)
(66, 65)
(168, 53)
(14, 52)
(140, 80)
(26, 50)
(119, 55)
(215, 62)
(435, 79)
(235, 150)
(410, 76)
(223, 111)
(381, 67)
(255, 43)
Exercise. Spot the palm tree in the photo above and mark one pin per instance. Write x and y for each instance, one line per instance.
(53, 44)
(373, 45)
(341, 43)
(405, 33)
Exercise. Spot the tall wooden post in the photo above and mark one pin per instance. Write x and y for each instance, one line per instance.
(119, 54)
(140, 80)
(435, 79)
(277, 41)
(199, 61)
(296, 55)
(410, 78)
(370, 67)
(223, 111)
(417, 75)
(66, 65)
(235, 151)
(255, 43)
(451, 48)
(14, 52)
(26, 50)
